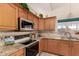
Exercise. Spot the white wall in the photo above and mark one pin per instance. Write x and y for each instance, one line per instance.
(64, 11)
(56, 10)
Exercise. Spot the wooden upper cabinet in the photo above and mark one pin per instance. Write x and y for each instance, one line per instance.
(8, 16)
(75, 48)
(47, 24)
(41, 24)
(23, 13)
(30, 16)
(35, 20)
(50, 23)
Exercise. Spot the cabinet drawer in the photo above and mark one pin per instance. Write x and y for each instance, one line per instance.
(64, 41)
(19, 53)
(75, 42)
(22, 54)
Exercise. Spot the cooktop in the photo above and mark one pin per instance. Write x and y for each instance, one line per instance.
(28, 42)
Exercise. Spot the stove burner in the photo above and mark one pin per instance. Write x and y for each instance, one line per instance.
(30, 41)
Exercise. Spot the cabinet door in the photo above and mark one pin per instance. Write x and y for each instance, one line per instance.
(47, 24)
(8, 16)
(21, 52)
(23, 13)
(35, 20)
(41, 24)
(52, 22)
(43, 45)
(64, 47)
(52, 46)
(75, 48)
(30, 16)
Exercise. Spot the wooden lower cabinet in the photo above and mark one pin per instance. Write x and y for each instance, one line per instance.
(60, 47)
(43, 45)
(52, 46)
(64, 47)
(20, 52)
(75, 48)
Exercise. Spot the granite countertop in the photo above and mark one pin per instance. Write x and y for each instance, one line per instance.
(3, 34)
(10, 49)
(49, 38)
(55, 36)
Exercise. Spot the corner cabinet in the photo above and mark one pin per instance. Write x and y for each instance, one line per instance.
(41, 24)
(8, 16)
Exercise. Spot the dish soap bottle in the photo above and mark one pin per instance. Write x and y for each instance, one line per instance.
(1, 41)
(9, 40)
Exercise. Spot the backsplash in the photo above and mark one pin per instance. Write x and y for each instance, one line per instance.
(17, 36)
(21, 36)
(3, 34)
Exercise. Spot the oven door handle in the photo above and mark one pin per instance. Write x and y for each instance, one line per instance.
(33, 45)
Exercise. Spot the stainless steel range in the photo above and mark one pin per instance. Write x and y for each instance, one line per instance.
(32, 46)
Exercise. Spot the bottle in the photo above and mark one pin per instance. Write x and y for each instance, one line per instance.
(1, 42)
(9, 40)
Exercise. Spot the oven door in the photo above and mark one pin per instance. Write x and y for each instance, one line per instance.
(33, 49)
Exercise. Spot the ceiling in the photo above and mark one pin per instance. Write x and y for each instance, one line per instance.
(61, 10)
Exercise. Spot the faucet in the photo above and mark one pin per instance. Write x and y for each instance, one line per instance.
(68, 35)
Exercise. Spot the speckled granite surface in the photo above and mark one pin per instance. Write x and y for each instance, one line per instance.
(56, 36)
(8, 50)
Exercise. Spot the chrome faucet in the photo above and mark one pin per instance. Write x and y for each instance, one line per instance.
(68, 35)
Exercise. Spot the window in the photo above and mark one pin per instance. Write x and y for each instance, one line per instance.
(72, 25)
(61, 25)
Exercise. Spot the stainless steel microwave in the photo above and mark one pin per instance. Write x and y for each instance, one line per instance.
(25, 24)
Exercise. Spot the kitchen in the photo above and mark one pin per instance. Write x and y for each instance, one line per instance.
(26, 32)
